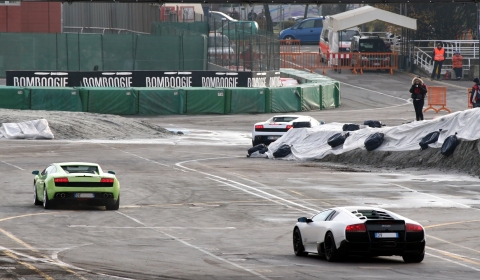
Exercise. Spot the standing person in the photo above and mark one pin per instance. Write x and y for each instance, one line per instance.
(252, 16)
(234, 14)
(438, 58)
(261, 20)
(474, 94)
(457, 65)
(418, 91)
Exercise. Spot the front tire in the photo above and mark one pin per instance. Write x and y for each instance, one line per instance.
(46, 202)
(331, 252)
(35, 196)
(298, 247)
(413, 258)
(116, 206)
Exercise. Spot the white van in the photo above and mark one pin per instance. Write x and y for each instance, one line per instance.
(334, 42)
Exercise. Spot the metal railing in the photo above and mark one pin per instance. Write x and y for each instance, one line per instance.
(422, 53)
(99, 30)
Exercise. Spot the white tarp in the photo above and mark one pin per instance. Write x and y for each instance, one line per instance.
(36, 129)
(366, 14)
(311, 143)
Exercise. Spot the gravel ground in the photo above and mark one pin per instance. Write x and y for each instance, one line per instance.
(82, 126)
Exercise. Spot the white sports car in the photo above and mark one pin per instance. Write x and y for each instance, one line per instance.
(358, 230)
(270, 130)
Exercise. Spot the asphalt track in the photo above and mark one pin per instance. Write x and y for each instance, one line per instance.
(195, 207)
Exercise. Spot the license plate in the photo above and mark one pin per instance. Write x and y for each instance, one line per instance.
(273, 137)
(376, 64)
(386, 235)
(84, 195)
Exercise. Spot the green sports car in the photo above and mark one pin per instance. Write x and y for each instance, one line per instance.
(79, 182)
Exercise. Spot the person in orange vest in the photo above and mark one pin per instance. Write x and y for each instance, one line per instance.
(457, 65)
(438, 58)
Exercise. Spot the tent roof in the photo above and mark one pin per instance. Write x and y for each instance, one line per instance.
(366, 14)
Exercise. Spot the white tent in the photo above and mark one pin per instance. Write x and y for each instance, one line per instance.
(366, 14)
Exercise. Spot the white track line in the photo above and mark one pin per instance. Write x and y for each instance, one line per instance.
(198, 248)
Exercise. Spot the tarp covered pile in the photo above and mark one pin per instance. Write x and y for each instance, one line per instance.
(36, 129)
(311, 143)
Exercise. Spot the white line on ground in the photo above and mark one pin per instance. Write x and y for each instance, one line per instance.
(12, 165)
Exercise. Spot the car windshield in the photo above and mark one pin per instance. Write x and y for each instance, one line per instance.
(283, 119)
(80, 169)
(372, 45)
(346, 35)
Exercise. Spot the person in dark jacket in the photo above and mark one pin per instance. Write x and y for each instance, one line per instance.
(473, 93)
(418, 91)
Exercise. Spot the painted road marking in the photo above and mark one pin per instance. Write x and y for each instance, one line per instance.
(198, 248)
(12, 165)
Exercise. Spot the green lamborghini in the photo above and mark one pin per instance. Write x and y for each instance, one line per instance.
(76, 182)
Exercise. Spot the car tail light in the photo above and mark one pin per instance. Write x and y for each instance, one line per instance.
(61, 180)
(258, 127)
(106, 180)
(289, 126)
(413, 228)
(356, 228)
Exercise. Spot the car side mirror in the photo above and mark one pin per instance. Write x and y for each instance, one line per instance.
(111, 172)
(302, 220)
(35, 172)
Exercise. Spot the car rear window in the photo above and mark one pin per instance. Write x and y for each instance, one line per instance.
(372, 215)
(80, 168)
(372, 45)
(347, 35)
(283, 119)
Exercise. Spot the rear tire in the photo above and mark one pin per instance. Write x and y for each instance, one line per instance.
(298, 247)
(413, 258)
(35, 196)
(116, 206)
(46, 202)
(331, 252)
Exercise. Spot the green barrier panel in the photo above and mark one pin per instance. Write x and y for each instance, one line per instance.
(338, 101)
(160, 101)
(268, 100)
(158, 52)
(310, 96)
(55, 99)
(285, 99)
(84, 98)
(205, 100)
(246, 100)
(14, 98)
(328, 95)
(118, 51)
(118, 101)
(228, 101)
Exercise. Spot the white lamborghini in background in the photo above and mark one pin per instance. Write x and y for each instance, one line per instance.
(358, 230)
(270, 130)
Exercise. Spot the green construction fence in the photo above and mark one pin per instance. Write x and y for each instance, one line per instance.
(117, 101)
(245, 100)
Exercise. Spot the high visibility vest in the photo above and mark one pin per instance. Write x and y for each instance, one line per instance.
(439, 54)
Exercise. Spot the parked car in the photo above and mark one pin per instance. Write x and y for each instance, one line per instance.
(230, 27)
(220, 51)
(371, 45)
(334, 42)
(307, 31)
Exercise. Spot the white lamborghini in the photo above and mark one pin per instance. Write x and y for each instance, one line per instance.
(358, 230)
(270, 130)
